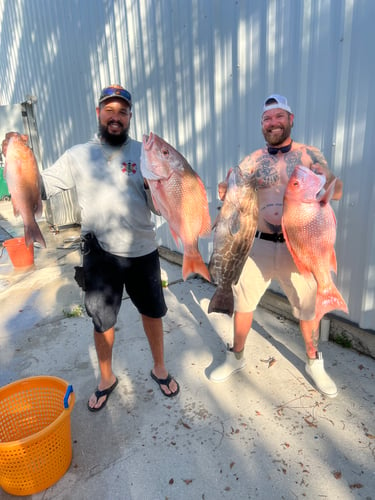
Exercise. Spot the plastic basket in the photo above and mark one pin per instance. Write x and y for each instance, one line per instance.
(35, 436)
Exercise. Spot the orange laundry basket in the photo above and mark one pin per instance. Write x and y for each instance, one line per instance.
(35, 436)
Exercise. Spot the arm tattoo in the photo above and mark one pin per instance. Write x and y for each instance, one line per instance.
(317, 157)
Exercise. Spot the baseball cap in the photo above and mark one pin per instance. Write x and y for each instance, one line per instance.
(115, 91)
(276, 101)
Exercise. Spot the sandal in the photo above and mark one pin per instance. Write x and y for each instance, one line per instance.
(166, 381)
(104, 392)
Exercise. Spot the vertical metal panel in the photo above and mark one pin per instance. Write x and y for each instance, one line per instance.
(199, 71)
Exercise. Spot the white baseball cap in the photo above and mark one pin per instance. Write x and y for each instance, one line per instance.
(276, 101)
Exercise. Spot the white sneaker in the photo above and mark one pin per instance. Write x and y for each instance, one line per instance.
(234, 362)
(315, 369)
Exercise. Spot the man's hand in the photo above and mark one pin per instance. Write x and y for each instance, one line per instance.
(8, 136)
(317, 168)
(222, 189)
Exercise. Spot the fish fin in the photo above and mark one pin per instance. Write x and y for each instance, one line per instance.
(16, 212)
(235, 223)
(206, 220)
(39, 208)
(328, 300)
(175, 237)
(194, 265)
(33, 234)
(154, 202)
(206, 225)
(216, 221)
(221, 302)
(333, 261)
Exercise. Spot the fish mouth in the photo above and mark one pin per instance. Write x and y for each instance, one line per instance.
(148, 141)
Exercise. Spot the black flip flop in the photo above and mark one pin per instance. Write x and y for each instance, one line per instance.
(104, 392)
(166, 381)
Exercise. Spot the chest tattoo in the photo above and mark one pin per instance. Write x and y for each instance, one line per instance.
(292, 159)
(266, 173)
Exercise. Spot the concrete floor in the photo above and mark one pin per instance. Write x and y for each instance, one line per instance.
(264, 433)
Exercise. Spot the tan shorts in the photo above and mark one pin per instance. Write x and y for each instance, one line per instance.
(268, 261)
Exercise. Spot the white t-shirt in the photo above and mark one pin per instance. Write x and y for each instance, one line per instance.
(110, 190)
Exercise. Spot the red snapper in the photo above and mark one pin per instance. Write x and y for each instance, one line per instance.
(309, 227)
(179, 195)
(23, 179)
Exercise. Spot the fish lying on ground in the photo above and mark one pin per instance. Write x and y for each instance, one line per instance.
(23, 180)
(309, 227)
(179, 195)
(234, 232)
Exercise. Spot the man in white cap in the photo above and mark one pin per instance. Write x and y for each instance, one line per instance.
(273, 166)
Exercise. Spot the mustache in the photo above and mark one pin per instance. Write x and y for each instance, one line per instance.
(115, 122)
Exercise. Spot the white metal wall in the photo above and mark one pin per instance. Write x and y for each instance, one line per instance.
(199, 71)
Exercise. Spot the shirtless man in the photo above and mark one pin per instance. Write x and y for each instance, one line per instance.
(269, 257)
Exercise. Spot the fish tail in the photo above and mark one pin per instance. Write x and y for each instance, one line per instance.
(194, 265)
(328, 300)
(221, 302)
(34, 234)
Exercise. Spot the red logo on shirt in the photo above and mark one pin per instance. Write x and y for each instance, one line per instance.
(129, 167)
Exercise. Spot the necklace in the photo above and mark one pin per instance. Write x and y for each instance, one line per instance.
(111, 152)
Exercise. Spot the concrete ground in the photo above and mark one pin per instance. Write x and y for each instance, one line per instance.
(264, 433)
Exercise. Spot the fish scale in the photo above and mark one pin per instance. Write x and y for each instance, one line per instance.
(180, 197)
(309, 227)
(23, 179)
(234, 232)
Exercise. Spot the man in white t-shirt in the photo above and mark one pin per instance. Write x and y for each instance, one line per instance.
(119, 245)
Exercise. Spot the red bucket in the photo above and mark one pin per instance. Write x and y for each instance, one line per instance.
(19, 253)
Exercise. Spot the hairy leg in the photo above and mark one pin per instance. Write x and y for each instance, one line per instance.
(104, 346)
(153, 328)
(310, 334)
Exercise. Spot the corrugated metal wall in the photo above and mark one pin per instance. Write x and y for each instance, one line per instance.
(199, 71)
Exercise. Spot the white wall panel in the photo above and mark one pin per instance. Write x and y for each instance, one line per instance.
(199, 71)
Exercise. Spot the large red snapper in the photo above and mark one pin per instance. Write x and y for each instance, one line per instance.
(234, 232)
(23, 179)
(309, 227)
(179, 195)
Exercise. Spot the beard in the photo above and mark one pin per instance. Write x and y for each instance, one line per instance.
(113, 139)
(275, 139)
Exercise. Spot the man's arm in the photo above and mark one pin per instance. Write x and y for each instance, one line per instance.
(320, 166)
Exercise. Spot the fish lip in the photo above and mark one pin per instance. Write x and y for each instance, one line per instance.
(148, 141)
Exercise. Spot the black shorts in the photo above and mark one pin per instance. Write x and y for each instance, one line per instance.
(106, 275)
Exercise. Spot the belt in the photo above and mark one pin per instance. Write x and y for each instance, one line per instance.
(275, 237)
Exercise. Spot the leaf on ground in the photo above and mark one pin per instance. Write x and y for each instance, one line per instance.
(188, 481)
(337, 474)
(310, 422)
(355, 486)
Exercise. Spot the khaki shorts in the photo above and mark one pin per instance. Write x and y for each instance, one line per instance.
(272, 261)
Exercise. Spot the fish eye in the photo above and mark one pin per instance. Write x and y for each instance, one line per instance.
(165, 152)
